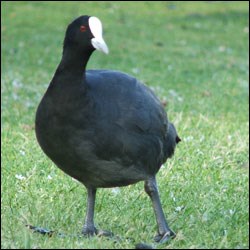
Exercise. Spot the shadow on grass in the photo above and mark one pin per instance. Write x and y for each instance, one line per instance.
(224, 17)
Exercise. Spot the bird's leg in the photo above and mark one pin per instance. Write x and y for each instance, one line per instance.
(164, 232)
(89, 227)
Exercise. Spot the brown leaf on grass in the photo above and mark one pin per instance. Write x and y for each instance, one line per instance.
(206, 93)
(164, 102)
(28, 127)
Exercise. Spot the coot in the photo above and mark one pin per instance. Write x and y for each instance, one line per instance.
(103, 127)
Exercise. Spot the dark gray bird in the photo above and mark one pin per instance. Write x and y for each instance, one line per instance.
(103, 127)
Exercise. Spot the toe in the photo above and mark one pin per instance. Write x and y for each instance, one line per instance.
(163, 238)
(104, 233)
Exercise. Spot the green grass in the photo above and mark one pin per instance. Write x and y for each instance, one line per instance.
(195, 56)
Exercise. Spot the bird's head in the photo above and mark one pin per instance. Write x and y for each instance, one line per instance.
(85, 33)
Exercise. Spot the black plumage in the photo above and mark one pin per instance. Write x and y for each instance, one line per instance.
(103, 127)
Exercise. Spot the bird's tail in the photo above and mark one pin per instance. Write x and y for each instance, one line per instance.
(172, 139)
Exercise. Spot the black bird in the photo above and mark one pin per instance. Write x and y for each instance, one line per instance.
(103, 127)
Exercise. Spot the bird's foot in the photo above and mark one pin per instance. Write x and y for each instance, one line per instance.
(89, 231)
(163, 238)
(41, 230)
(92, 231)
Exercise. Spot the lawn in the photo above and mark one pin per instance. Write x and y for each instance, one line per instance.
(194, 55)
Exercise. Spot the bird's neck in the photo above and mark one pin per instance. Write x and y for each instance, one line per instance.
(71, 69)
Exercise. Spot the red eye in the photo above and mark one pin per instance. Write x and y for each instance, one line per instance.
(83, 28)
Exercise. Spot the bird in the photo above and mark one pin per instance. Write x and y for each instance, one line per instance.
(103, 127)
